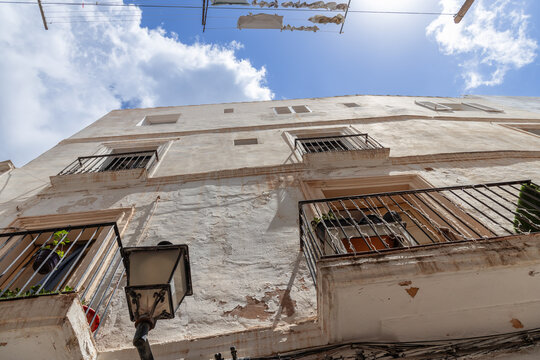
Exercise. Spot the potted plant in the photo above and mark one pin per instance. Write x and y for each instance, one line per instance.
(91, 317)
(47, 257)
(362, 233)
(32, 291)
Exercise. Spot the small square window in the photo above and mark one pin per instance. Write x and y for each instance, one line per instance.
(281, 110)
(228, 111)
(252, 141)
(160, 119)
(351, 105)
(301, 109)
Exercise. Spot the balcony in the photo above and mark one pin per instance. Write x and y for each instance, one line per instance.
(340, 150)
(40, 265)
(114, 169)
(425, 264)
(371, 224)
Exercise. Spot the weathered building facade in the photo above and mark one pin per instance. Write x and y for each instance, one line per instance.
(343, 226)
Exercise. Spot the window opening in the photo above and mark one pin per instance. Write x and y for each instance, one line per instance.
(433, 105)
(282, 110)
(160, 119)
(253, 141)
(482, 107)
(300, 109)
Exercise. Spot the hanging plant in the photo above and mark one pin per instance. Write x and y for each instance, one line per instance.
(47, 257)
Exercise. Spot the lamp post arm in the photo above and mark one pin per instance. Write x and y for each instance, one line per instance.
(140, 341)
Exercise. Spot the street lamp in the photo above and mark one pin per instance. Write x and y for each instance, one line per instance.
(158, 279)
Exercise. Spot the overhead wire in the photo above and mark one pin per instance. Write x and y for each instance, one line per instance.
(131, 13)
(178, 6)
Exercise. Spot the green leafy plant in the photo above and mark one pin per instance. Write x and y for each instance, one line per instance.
(527, 213)
(328, 216)
(59, 237)
(33, 291)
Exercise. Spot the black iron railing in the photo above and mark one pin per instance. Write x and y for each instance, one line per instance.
(370, 224)
(336, 143)
(112, 162)
(84, 259)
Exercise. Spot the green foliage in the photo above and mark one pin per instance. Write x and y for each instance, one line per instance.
(328, 216)
(57, 239)
(32, 291)
(527, 213)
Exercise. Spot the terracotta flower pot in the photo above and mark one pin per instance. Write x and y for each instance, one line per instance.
(89, 316)
(48, 264)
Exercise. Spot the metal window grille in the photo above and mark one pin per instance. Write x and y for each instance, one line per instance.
(375, 223)
(112, 162)
(84, 259)
(336, 143)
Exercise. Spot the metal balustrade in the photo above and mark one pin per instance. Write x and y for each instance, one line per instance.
(350, 142)
(112, 162)
(85, 259)
(390, 221)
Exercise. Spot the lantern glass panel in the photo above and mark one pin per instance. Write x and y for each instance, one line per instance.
(145, 302)
(179, 282)
(151, 267)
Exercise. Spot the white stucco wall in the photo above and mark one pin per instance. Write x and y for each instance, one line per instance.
(247, 268)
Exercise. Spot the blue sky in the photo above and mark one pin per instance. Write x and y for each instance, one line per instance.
(55, 82)
(376, 54)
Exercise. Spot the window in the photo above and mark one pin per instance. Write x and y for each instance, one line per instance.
(464, 106)
(127, 161)
(253, 141)
(228, 111)
(533, 131)
(433, 105)
(481, 107)
(58, 253)
(335, 141)
(351, 105)
(459, 107)
(282, 110)
(323, 144)
(160, 119)
(529, 129)
(298, 109)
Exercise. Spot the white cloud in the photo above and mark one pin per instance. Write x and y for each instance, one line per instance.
(55, 82)
(491, 40)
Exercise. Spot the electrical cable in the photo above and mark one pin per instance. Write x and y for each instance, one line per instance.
(222, 8)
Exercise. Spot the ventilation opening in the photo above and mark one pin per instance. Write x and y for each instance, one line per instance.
(301, 109)
(252, 141)
(228, 111)
(160, 119)
(351, 105)
(282, 110)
